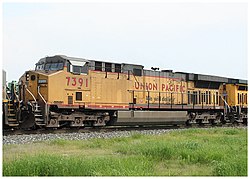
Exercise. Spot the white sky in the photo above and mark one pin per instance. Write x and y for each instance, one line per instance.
(206, 38)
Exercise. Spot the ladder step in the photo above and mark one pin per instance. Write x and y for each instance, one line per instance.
(11, 114)
(12, 120)
(40, 124)
(13, 125)
(38, 115)
(39, 120)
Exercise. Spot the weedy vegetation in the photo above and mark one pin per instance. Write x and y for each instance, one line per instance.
(191, 152)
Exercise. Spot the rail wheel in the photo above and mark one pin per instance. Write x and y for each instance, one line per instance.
(99, 122)
(27, 120)
(245, 121)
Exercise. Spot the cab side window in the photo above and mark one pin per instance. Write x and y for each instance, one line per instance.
(76, 69)
(78, 96)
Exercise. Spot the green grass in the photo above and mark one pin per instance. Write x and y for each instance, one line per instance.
(192, 152)
(56, 165)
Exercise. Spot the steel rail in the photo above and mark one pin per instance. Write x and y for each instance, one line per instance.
(111, 129)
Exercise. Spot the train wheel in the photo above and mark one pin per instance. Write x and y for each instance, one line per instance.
(199, 121)
(27, 120)
(245, 121)
(188, 123)
(100, 122)
(212, 122)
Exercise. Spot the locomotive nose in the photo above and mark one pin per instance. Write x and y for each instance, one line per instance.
(29, 84)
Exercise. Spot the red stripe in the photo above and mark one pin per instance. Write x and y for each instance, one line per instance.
(107, 106)
(178, 107)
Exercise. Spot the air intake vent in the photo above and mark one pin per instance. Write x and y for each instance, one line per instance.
(70, 99)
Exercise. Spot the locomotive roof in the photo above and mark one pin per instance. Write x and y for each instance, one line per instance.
(189, 76)
(62, 58)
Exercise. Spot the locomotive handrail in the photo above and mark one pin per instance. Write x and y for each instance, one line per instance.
(16, 95)
(46, 105)
(41, 94)
(30, 93)
(8, 97)
(135, 77)
(225, 103)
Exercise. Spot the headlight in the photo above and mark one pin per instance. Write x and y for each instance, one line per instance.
(33, 77)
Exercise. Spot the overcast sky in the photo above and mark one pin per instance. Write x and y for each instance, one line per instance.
(206, 38)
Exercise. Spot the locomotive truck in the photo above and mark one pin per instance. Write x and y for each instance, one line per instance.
(77, 92)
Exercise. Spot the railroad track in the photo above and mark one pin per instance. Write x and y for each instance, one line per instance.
(108, 129)
(83, 130)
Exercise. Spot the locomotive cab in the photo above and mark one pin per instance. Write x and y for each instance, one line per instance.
(59, 84)
(60, 62)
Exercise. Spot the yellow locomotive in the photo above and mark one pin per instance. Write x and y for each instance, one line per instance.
(76, 92)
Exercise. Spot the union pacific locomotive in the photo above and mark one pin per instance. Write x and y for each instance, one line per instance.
(76, 92)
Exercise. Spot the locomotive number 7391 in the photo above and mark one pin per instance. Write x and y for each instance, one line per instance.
(73, 81)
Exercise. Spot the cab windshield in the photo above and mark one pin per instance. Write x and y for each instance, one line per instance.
(53, 66)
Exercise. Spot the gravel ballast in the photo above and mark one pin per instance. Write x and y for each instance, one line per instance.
(31, 138)
(24, 139)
